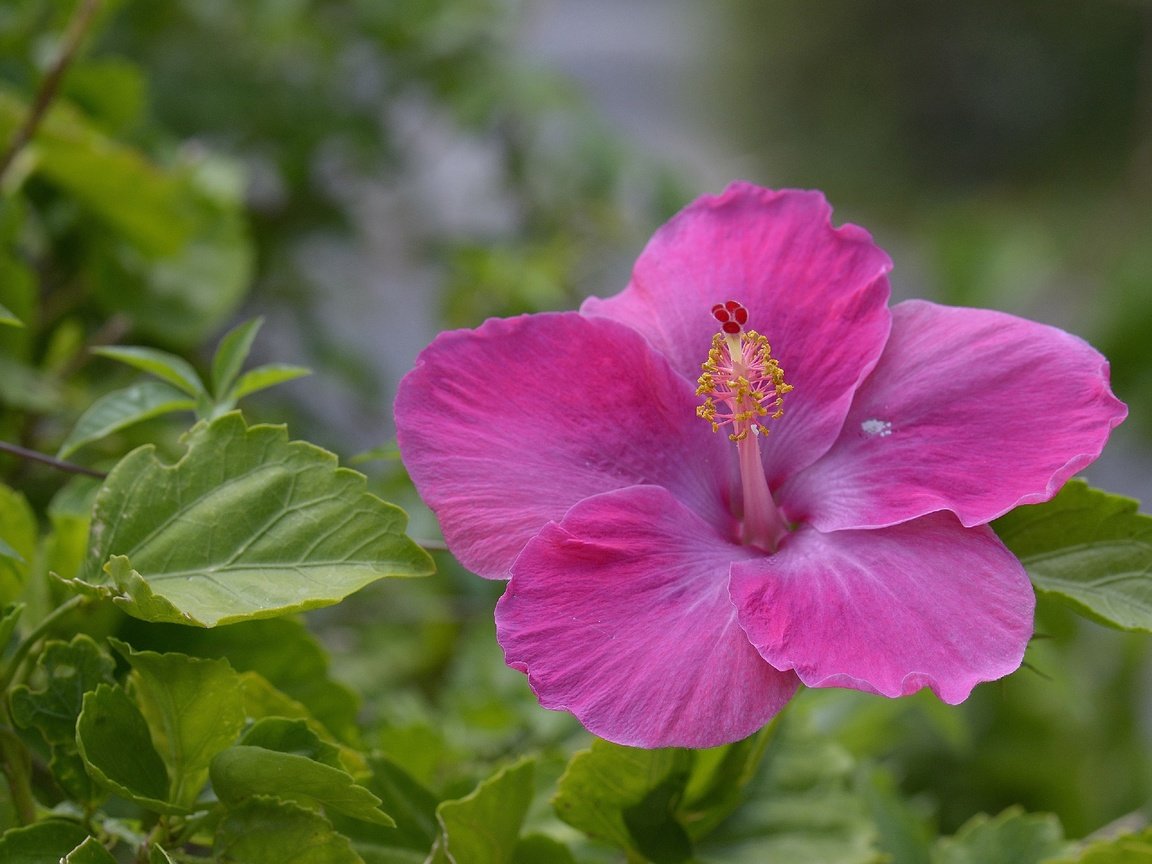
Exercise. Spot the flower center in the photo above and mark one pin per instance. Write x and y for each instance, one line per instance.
(744, 386)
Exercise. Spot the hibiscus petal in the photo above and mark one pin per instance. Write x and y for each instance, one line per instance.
(818, 293)
(620, 614)
(926, 603)
(505, 427)
(969, 410)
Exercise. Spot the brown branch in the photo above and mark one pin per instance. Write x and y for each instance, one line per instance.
(77, 28)
(58, 464)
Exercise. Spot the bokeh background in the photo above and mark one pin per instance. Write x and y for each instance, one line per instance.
(373, 171)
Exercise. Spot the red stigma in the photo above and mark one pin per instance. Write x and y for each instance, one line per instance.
(731, 315)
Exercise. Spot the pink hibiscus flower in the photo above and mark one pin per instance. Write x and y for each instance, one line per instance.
(685, 545)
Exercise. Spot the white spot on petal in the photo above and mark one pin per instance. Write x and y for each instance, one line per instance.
(876, 428)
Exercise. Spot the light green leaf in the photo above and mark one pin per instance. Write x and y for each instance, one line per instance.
(8, 317)
(168, 367)
(19, 531)
(122, 408)
(263, 377)
(485, 825)
(231, 354)
(628, 797)
(1013, 837)
(263, 831)
(1089, 549)
(1125, 849)
(117, 748)
(46, 841)
(89, 852)
(242, 772)
(246, 525)
(194, 709)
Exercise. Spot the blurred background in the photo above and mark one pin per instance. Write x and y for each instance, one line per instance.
(365, 173)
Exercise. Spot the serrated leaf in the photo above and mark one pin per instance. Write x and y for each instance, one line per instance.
(628, 797)
(168, 367)
(263, 377)
(46, 841)
(231, 354)
(123, 408)
(263, 831)
(243, 772)
(1089, 549)
(89, 852)
(485, 825)
(8, 317)
(246, 525)
(1012, 837)
(117, 748)
(69, 670)
(281, 650)
(194, 709)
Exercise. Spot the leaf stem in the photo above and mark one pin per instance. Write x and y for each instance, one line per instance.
(16, 763)
(58, 464)
(78, 26)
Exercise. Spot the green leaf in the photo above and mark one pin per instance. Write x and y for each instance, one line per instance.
(1089, 549)
(1126, 849)
(69, 670)
(20, 533)
(156, 855)
(117, 748)
(263, 377)
(1013, 837)
(539, 849)
(168, 367)
(122, 408)
(46, 841)
(7, 551)
(194, 709)
(718, 781)
(262, 831)
(291, 736)
(242, 772)
(9, 618)
(485, 825)
(410, 804)
(89, 852)
(246, 525)
(231, 354)
(282, 651)
(628, 797)
(8, 317)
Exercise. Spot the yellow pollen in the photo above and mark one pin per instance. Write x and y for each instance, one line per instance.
(742, 382)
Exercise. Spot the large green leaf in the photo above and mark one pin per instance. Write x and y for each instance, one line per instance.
(246, 525)
(69, 670)
(46, 841)
(243, 772)
(1125, 849)
(485, 825)
(264, 831)
(628, 797)
(1090, 549)
(122, 408)
(194, 708)
(117, 749)
(1013, 837)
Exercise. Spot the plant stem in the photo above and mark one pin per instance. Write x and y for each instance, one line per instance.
(78, 26)
(58, 464)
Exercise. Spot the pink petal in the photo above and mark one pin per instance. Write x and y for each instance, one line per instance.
(505, 427)
(969, 410)
(818, 293)
(926, 603)
(620, 614)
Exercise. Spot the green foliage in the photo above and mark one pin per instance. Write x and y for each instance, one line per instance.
(1013, 837)
(1089, 549)
(225, 534)
(485, 825)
